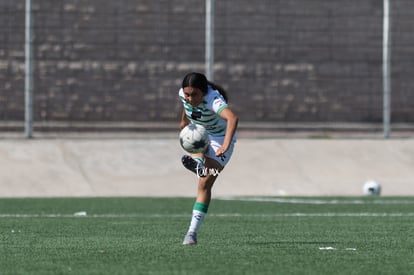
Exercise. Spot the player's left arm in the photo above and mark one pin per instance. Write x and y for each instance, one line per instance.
(232, 121)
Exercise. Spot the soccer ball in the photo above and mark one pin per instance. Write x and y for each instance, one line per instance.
(372, 188)
(194, 138)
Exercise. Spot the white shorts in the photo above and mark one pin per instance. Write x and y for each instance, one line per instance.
(215, 144)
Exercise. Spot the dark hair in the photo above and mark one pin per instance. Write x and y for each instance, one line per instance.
(198, 80)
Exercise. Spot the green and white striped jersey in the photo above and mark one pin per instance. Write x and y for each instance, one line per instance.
(208, 112)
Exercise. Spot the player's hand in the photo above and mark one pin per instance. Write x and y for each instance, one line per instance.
(221, 151)
(183, 123)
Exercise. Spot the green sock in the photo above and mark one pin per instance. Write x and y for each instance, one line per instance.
(201, 207)
(199, 160)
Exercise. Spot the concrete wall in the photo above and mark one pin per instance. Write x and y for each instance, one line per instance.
(143, 167)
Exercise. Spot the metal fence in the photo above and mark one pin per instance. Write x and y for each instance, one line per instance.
(78, 64)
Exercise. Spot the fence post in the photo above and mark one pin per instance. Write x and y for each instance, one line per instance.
(209, 50)
(28, 116)
(386, 68)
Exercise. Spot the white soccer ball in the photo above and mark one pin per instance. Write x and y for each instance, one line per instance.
(372, 188)
(194, 138)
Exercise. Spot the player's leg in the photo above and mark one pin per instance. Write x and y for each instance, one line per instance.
(213, 166)
(205, 184)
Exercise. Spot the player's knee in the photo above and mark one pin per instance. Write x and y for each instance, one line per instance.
(207, 182)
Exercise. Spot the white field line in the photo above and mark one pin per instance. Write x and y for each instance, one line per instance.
(316, 201)
(224, 215)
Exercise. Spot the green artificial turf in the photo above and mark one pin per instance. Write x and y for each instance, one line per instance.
(239, 236)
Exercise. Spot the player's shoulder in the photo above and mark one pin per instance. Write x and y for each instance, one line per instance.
(215, 101)
(213, 95)
(181, 92)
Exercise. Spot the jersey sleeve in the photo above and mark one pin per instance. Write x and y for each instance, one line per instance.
(181, 94)
(216, 102)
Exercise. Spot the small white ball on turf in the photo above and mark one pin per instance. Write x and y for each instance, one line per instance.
(194, 138)
(372, 188)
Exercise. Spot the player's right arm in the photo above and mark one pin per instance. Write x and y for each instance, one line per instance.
(184, 120)
(232, 121)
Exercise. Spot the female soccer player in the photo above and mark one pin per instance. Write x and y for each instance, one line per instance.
(205, 103)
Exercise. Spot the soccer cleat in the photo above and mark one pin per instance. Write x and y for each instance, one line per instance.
(190, 238)
(193, 165)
